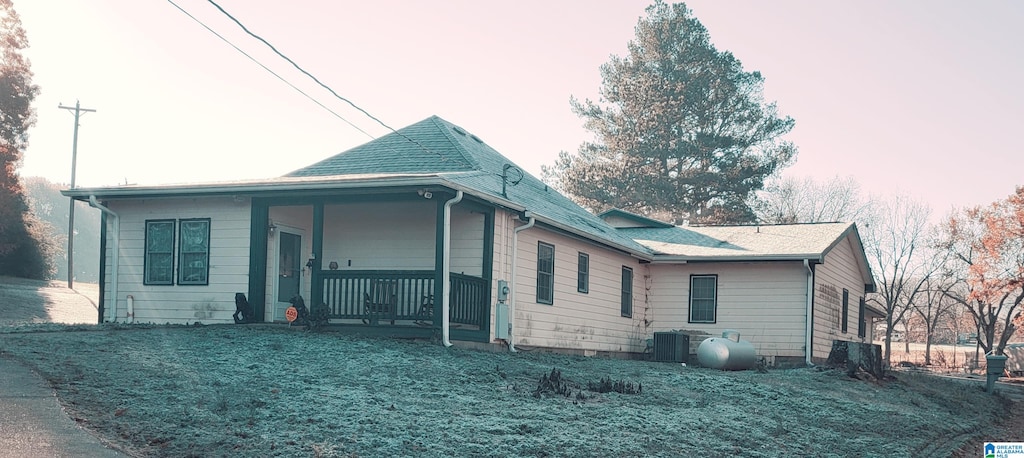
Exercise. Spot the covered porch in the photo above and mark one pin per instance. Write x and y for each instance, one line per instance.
(376, 260)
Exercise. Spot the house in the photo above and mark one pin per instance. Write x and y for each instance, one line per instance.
(429, 230)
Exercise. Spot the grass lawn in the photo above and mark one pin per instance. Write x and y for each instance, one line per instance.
(274, 391)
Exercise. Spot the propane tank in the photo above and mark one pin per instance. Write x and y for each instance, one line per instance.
(727, 352)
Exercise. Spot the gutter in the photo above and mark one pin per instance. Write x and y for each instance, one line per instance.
(512, 281)
(446, 261)
(116, 249)
(809, 332)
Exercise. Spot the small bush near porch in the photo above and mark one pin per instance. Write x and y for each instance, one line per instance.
(272, 391)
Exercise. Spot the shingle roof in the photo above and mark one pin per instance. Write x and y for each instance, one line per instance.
(793, 241)
(439, 147)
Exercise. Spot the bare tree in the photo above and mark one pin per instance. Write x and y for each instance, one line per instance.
(898, 251)
(792, 200)
(933, 305)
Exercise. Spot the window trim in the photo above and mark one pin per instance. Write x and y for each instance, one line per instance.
(844, 321)
(626, 300)
(583, 273)
(714, 305)
(181, 254)
(146, 263)
(549, 281)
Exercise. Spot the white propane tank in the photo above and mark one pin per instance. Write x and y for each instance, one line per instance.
(727, 353)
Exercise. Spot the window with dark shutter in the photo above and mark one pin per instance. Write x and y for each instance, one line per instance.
(627, 292)
(583, 273)
(845, 320)
(545, 273)
(158, 263)
(703, 298)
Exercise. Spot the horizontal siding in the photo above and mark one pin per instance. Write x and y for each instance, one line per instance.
(467, 240)
(840, 270)
(765, 302)
(380, 236)
(583, 321)
(229, 261)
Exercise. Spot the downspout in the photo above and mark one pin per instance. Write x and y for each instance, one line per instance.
(512, 280)
(446, 261)
(809, 337)
(116, 249)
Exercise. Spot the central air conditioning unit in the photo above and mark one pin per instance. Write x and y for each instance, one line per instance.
(672, 347)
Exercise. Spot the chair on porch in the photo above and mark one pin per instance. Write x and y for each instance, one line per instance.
(380, 301)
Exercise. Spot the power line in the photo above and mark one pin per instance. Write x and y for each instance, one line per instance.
(328, 88)
(269, 70)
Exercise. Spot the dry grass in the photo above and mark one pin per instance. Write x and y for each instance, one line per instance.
(274, 391)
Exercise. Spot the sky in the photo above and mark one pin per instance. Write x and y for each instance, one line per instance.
(922, 98)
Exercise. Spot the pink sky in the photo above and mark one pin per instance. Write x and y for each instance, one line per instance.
(918, 97)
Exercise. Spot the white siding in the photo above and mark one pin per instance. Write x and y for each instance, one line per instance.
(467, 250)
(229, 261)
(766, 302)
(582, 321)
(840, 270)
(380, 236)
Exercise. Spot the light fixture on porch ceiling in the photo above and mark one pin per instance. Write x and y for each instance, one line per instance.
(425, 194)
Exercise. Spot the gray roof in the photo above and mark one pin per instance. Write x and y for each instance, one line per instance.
(786, 241)
(460, 158)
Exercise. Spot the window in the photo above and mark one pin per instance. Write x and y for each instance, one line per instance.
(194, 254)
(583, 273)
(845, 319)
(159, 257)
(545, 273)
(627, 291)
(861, 325)
(703, 298)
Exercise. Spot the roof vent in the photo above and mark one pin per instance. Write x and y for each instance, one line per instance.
(458, 130)
(474, 137)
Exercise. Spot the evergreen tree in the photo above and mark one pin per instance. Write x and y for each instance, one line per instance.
(24, 250)
(681, 130)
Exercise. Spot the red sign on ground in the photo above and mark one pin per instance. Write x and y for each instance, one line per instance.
(291, 314)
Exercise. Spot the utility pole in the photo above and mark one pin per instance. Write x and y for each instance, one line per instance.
(71, 213)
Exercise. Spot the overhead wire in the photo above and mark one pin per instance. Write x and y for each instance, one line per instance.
(257, 62)
(315, 79)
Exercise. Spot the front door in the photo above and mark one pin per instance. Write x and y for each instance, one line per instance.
(289, 270)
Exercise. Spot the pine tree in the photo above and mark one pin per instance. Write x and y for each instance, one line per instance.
(24, 251)
(681, 130)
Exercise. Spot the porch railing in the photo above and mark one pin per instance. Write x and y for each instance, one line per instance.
(402, 296)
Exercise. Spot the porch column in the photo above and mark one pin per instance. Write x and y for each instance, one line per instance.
(258, 221)
(317, 284)
(439, 249)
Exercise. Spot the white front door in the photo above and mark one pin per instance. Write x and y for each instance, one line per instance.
(288, 270)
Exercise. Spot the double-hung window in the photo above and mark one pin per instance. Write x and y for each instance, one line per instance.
(583, 273)
(159, 257)
(194, 254)
(703, 298)
(545, 273)
(627, 292)
(191, 237)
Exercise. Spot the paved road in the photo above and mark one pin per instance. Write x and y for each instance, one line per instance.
(32, 422)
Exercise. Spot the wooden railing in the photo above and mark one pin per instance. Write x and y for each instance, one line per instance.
(377, 296)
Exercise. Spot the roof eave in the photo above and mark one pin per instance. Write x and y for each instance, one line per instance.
(253, 187)
(682, 259)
